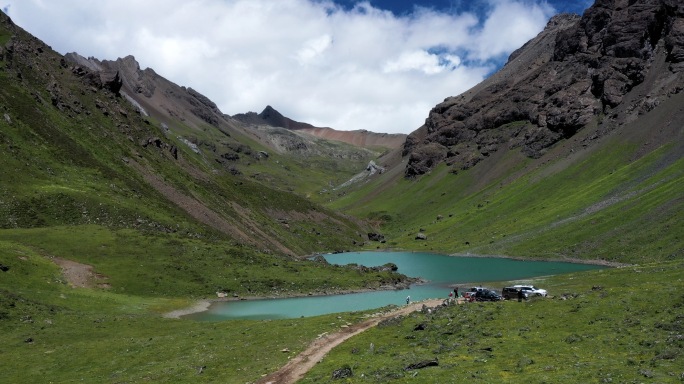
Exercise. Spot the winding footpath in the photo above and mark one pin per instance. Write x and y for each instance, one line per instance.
(298, 366)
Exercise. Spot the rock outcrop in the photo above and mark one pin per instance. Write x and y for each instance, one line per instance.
(145, 88)
(576, 72)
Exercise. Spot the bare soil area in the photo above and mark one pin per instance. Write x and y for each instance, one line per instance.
(200, 306)
(298, 366)
(79, 275)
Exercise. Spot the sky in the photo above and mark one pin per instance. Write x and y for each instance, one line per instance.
(378, 65)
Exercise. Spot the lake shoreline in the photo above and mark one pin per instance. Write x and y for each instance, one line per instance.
(602, 263)
(205, 304)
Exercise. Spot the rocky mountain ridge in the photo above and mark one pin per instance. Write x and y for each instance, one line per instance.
(579, 73)
(152, 93)
(361, 138)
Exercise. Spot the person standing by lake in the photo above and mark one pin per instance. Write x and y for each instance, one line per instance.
(408, 300)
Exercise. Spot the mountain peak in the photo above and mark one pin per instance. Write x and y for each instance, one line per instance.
(269, 110)
(275, 119)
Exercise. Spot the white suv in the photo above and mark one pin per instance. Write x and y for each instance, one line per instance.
(531, 290)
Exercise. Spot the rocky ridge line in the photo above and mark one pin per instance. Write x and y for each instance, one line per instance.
(578, 71)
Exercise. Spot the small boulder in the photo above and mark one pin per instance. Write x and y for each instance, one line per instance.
(422, 364)
(343, 372)
(375, 237)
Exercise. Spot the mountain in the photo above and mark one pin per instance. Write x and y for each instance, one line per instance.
(152, 94)
(360, 138)
(573, 150)
(92, 142)
(599, 73)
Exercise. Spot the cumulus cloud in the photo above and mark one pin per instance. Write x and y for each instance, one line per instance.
(316, 61)
(428, 63)
(509, 24)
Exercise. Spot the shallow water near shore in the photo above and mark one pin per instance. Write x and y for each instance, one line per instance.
(442, 272)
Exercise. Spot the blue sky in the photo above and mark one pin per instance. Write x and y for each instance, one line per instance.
(403, 7)
(378, 65)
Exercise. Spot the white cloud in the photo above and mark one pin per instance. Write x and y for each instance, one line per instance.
(428, 63)
(313, 48)
(314, 61)
(509, 24)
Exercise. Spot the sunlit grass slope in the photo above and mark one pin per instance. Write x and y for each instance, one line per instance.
(50, 332)
(615, 325)
(598, 206)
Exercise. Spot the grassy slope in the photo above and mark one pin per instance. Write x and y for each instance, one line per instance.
(67, 189)
(173, 266)
(620, 325)
(613, 201)
(51, 332)
(310, 174)
(598, 205)
(305, 173)
(93, 211)
(56, 170)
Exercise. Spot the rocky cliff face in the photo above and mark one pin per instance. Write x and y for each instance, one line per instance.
(148, 90)
(579, 71)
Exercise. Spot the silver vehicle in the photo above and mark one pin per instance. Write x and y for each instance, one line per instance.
(531, 290)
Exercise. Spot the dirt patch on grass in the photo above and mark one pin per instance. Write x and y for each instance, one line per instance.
(80, 275)
(200, 306)
(296, 368)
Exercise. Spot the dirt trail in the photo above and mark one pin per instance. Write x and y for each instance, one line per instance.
(298, 366)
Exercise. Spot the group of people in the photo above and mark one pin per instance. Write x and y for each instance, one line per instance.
(452, 296)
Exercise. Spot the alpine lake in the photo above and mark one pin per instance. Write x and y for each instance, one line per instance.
(441, 271)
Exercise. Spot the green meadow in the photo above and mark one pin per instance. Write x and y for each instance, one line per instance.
(619, 325)
(163, 231)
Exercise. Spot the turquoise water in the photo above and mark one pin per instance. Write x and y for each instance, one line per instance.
(441, 271)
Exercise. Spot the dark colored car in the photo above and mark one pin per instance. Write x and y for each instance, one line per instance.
(511, 293)
(487, 295)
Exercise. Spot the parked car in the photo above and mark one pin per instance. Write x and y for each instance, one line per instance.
(511, 293)
(531, 290)
(487, 295)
